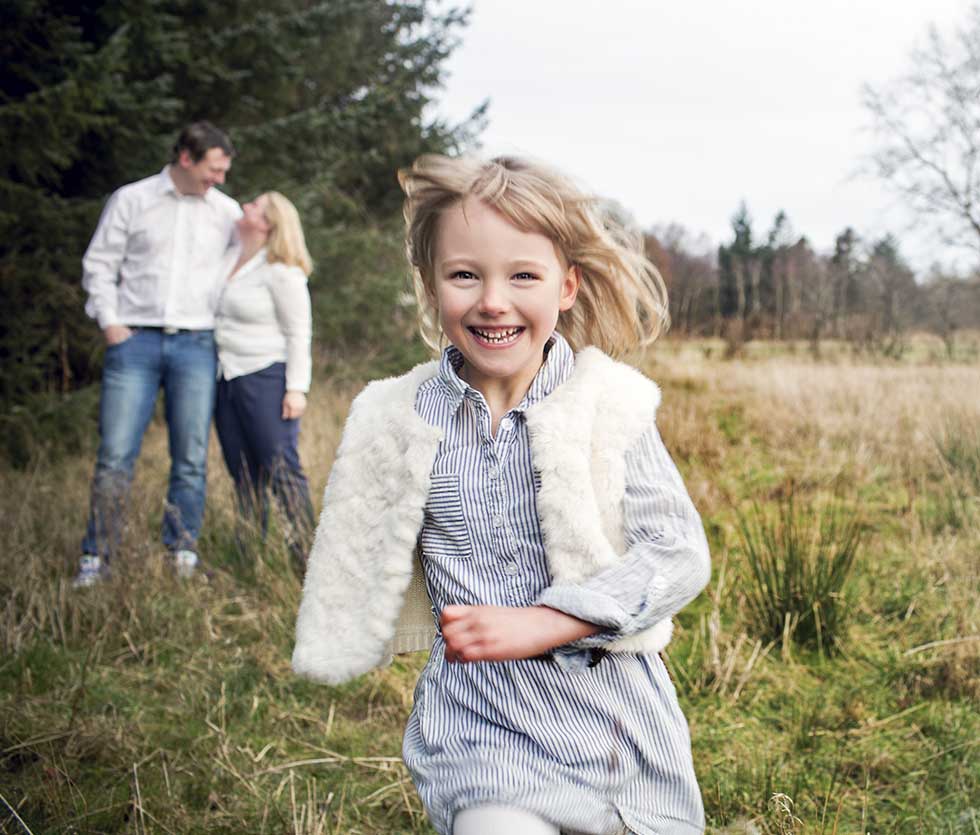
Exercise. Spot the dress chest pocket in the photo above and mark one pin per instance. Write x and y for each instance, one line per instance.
(444, 531)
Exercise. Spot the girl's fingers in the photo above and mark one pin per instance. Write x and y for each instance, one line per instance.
(462, 642)
(457, 636)
(451, 613)
(471, 651)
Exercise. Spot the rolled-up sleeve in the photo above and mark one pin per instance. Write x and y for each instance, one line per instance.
(291, 297)
(102, 260)
(666, 563)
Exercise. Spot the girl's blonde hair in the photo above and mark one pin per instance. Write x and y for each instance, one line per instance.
(622, 300)
(286, 243)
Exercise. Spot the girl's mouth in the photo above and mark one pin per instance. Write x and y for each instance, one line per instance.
(496, 336)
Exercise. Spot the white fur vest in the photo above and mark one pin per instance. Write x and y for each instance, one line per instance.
(364, 597)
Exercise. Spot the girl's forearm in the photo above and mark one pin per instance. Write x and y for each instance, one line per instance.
(508, 633)
(567, 628)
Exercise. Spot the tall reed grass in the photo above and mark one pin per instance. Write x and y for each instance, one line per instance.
(800, 557)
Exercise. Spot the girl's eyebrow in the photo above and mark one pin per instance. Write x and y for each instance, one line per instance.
(517, 264)
(528, 262)
(456, 261)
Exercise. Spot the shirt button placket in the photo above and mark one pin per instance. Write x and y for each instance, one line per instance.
(503, 538)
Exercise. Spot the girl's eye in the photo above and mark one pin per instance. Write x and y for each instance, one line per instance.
(463, 275)
(525, 276)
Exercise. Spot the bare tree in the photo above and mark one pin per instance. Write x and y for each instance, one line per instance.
(892, 297)
(951, 304)
(818, 294)
(687, 263)
(927, 125)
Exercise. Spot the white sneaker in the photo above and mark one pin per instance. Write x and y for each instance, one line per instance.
(185, 563)
(91, 572)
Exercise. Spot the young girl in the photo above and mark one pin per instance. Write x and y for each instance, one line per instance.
(515, 499)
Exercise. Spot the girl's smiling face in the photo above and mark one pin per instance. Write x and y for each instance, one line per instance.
(499, 291)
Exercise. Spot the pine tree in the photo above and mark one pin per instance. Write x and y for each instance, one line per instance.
(69, 127)
(844, 268)
(736, 263)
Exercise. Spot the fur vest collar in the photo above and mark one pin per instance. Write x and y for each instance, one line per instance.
(364, 596)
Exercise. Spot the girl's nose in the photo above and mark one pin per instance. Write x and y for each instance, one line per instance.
(493, 298)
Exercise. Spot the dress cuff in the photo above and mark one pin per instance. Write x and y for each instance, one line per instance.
(590, 606)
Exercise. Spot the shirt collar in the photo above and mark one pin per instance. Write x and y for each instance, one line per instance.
(166, 185)
(557, 367)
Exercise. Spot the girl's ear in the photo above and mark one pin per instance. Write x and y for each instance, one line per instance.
(569, 287)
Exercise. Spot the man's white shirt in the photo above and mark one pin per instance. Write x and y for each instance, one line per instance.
(157, 257)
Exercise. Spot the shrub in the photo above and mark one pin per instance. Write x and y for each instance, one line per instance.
(49, 426)
(800, 558)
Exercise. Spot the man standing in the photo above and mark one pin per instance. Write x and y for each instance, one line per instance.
(153, 271)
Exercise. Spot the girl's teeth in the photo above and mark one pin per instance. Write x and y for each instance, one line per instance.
(497, 336)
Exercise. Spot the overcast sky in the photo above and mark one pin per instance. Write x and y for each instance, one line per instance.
(681, 110)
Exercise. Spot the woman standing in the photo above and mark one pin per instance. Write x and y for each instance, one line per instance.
(263, 330)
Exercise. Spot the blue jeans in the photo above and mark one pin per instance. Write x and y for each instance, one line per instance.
(184, 364)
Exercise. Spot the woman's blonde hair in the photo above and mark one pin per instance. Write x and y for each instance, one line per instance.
(286, 243)
(622, 300)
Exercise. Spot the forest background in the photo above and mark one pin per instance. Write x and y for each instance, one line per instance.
(836, 384)
(324, 102)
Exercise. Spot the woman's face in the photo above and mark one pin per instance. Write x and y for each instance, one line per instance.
(254, 220)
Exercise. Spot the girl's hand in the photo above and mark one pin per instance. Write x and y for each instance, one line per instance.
(293, 405)
(507, 633)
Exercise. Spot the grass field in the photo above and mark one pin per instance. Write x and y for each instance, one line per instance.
(152, 705)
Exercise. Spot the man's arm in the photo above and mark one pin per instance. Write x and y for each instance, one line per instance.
(101, 263)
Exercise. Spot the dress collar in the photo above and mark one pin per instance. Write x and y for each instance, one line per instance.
(251, 264)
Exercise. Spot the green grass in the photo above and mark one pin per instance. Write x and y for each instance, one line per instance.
(151, 705)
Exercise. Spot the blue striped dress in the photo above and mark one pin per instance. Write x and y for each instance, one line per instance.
(596, 749)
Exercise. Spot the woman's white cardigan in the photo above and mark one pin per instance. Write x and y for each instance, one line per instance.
(364, 596)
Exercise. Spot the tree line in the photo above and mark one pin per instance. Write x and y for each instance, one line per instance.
(774, 285)
(926, 124)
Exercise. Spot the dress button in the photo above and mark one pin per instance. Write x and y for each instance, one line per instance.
(511, 568)
(497, 520)
(493, 472)
(505, 424)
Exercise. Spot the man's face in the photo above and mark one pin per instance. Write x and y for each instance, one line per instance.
(208, 171)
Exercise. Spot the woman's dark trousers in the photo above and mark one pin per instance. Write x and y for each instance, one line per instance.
(260, 449)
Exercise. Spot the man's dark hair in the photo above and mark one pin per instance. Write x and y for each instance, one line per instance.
(199, 138)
